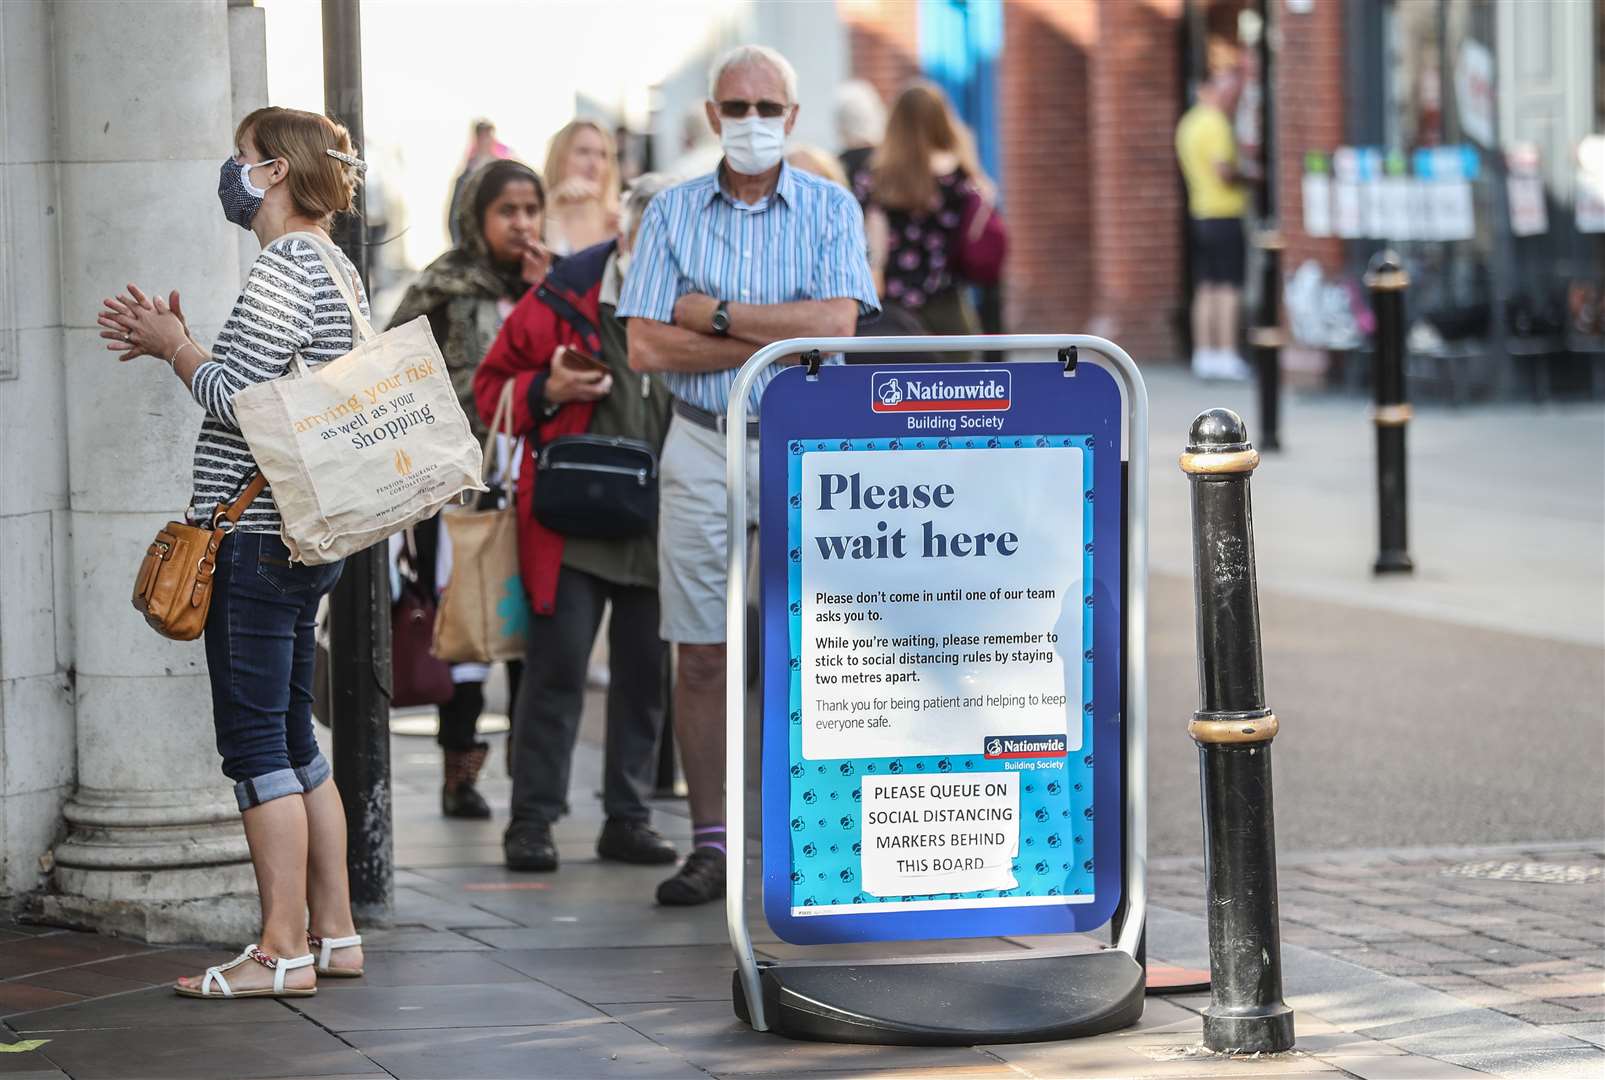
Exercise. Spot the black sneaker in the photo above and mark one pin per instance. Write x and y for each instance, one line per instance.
(528, 846)
(701, 879)
(634, 842)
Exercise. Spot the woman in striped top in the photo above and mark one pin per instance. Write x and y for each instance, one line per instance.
(291, 173)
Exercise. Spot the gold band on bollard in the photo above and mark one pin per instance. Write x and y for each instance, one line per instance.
(1251, 730)
(1387, 280)
(1239, 461)
(1270, 240)
(1267, 337)
(1392, 415)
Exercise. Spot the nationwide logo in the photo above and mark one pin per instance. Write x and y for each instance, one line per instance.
(1007, 747)
(962, 390)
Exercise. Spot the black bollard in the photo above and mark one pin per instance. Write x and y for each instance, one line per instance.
(359, 608)
(1267, 338)
(1387, 280)
(1233, 729)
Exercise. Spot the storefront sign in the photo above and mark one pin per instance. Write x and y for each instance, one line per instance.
(1524, 187)
(1590, 197)
(1474, 91)
(1316, 194)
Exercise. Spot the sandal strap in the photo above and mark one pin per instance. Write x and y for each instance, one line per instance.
(215, 972)
(282, 965)
(326, 946)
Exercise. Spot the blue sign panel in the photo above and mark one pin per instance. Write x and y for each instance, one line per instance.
(940, 563)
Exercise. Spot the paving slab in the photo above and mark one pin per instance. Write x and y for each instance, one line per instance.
(709, 1036)
(625, 975)
(30, 954)
(408, 1008)
(380, 969)
(592, 1049)
(206, 1051)
(156, 1007)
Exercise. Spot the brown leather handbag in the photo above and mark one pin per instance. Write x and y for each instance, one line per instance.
(173, 589)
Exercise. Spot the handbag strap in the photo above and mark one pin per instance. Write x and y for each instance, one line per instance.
(237, 509)
(364, 329)
(572, 315)
(500, 424)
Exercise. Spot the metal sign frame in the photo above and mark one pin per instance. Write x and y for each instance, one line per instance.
(1134, 454)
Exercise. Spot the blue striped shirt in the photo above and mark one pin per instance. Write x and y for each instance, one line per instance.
(804, 242)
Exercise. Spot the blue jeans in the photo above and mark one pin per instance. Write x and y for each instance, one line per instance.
(259, 652)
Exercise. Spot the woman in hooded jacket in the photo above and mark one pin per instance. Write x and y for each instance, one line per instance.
(466, 294)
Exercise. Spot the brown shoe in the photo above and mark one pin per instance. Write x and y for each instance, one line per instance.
(458, 796)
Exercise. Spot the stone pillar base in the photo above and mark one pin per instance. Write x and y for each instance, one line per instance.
(232, 921)
(163, 867)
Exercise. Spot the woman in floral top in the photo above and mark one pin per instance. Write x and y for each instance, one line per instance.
(923, 177)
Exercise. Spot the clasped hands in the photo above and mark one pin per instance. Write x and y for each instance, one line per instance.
(134, 325)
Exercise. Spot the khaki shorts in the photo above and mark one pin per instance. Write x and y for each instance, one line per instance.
(692, 537)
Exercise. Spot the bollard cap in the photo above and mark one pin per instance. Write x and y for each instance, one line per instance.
(1218, 431)
(1385, 272)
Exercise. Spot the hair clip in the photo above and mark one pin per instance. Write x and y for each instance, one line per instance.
(350, 159)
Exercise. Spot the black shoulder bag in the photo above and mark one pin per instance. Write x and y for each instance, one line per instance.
(601, 487)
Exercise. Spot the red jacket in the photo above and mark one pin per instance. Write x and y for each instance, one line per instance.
(522, 353)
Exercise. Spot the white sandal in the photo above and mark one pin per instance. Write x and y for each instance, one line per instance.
(278, 965)
(326, 947)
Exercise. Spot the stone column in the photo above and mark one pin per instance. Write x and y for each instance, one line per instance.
(142, 92)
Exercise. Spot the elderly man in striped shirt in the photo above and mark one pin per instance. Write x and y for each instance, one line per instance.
(752, 253)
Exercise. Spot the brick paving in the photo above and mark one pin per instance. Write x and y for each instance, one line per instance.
(1526, 948)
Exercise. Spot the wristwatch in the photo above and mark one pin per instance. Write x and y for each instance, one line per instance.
(721, 318)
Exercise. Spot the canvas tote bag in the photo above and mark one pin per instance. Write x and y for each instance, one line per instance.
(364, 446)
(483, 613)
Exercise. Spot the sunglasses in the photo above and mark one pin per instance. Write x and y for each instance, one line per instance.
(735, 109)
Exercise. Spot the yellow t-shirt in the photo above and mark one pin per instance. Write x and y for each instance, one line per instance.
(1203, 140)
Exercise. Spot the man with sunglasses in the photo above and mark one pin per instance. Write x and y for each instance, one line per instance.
(752, 253)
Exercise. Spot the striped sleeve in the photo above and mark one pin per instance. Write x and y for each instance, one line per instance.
(274, 318)
(842, 269)
(653, 283)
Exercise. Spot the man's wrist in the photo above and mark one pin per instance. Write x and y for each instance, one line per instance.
(720, 319)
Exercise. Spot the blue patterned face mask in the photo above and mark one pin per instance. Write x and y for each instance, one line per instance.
(241, 199)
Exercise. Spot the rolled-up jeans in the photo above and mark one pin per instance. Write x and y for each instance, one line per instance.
(260, 649)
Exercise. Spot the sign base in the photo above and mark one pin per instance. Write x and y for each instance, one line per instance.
(950, 1002)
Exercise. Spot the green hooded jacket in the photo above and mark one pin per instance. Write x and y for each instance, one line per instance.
(461, 294)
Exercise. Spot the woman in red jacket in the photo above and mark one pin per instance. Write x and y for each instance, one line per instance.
(570, 580)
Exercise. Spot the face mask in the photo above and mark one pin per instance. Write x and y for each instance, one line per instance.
(753, 145)
(241, 199)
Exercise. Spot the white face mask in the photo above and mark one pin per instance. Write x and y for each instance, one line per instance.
(753, 145)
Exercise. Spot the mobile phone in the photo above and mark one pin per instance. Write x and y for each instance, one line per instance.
(582, 361)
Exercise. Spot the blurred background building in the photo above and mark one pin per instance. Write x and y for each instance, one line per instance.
(1467, 133)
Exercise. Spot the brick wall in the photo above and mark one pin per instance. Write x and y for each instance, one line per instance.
(1310, 103)
(1137, 194)
(1043, 114)
(883, 40)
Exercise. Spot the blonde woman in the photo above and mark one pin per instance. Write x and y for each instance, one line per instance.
(582, 184)
(290, 173)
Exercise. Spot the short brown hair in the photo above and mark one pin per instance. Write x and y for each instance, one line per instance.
(320, 186)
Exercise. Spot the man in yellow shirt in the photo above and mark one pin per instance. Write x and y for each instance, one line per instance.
(1216, 201)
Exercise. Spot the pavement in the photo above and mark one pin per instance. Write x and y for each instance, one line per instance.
(1438, 783)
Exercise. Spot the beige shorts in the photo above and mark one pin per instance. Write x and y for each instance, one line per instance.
(692, 531)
